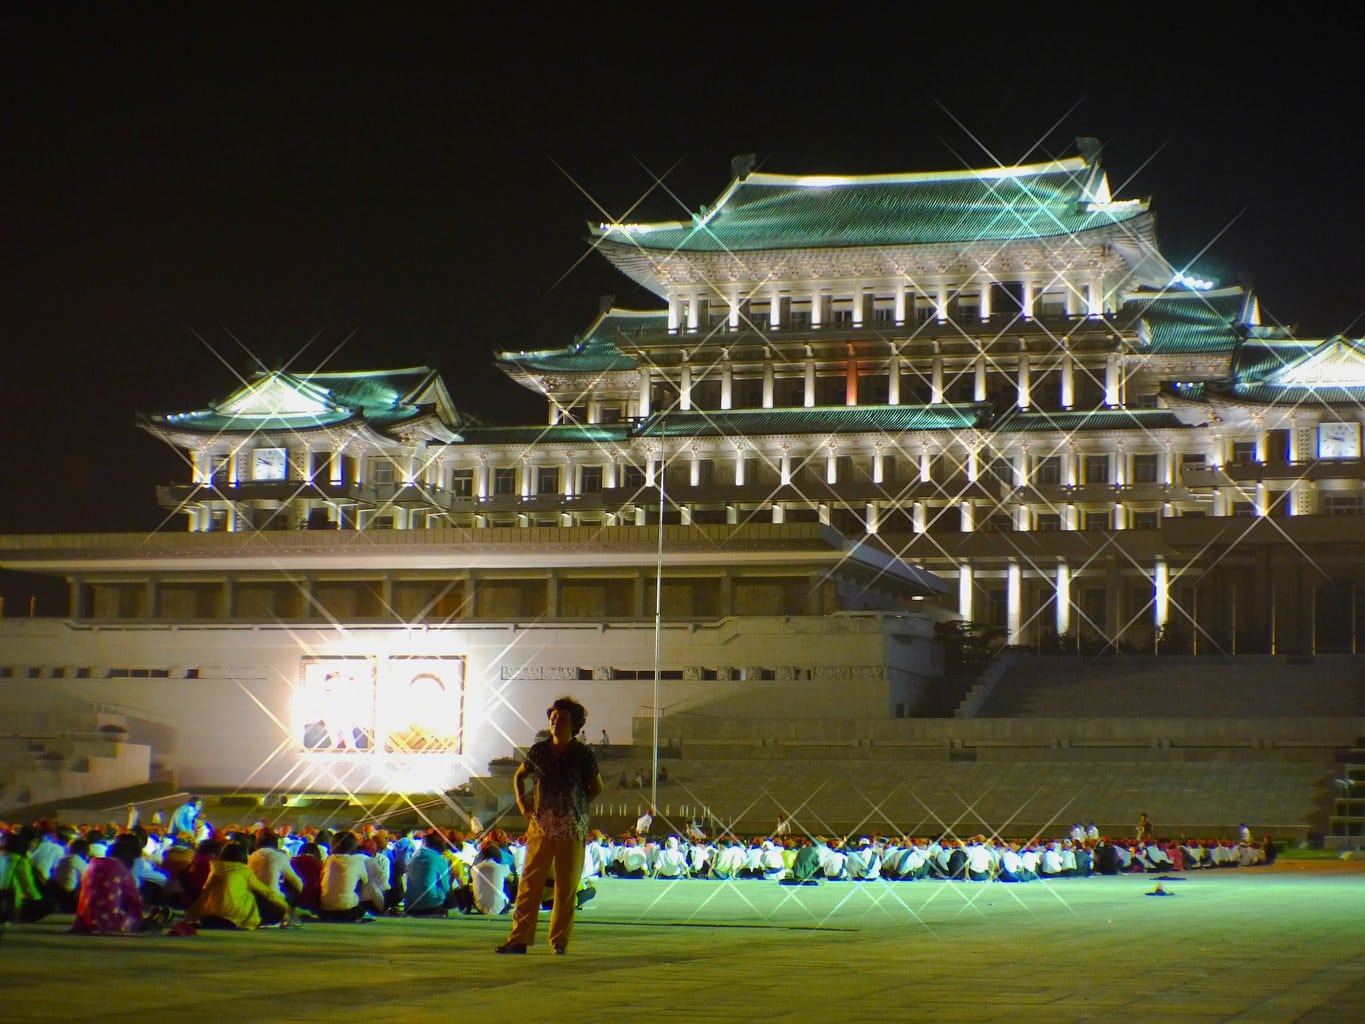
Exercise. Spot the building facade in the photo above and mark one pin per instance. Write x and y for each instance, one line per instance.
(862, 404)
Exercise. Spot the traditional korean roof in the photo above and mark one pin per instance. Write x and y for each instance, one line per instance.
(595, 352)
(1181, 321)
(775, 211)
(1296, 372)
(1095, 419)
(559, 433)
(280, 401)
(858, 419)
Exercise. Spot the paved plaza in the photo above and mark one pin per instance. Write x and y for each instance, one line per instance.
(1273, 944)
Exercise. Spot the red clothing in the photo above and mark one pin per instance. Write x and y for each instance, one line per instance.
(309, 869)
(109, 903)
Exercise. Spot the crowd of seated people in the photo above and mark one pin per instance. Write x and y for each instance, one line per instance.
(134, 880)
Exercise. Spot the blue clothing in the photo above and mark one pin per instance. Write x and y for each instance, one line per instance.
(428, 881)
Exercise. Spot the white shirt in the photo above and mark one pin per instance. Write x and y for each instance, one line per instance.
(487, 878)
(272, 867)
(342, 875)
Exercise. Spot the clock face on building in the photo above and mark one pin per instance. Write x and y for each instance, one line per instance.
(1338, 440)
(268, 464)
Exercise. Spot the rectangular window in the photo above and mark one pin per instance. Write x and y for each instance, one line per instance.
(1150, 520)
(632, 477)
(1145, 469)
(609, 414)
(1047, 470)
(381, 471)
(1342, 504)
(462, 483)
(547, 480)
(591, 480)
(505, 480)
(1049, 522)
(1096, 520)
(1244, 508)
(1096, 469)
(1243, 453)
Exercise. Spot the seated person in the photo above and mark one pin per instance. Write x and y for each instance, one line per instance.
(272, 866)
(672, 860)
(109, 902)
(429, 880)
(344, 873)
(488, 877)
(31, 903)
(307, 865)
(233, 897)
(65, 884)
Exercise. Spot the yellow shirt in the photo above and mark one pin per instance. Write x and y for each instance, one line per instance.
(230, 893)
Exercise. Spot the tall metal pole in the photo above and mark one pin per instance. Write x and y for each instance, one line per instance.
(658, 623)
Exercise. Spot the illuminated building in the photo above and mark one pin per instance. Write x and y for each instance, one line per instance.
(982, 393)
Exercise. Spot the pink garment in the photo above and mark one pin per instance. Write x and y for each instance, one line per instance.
(109, 903)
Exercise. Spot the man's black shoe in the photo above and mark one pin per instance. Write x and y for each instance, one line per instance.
(510, 947)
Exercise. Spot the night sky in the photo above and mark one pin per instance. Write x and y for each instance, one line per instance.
(186, 188)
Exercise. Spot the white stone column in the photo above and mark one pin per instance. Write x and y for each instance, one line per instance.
(481, 487)
(1161, 594)
(1094, 296)
(809, 400)
(694, 469)
(1262, 446)
(739, 468)
(1014, 601)
(1068, 381)
(893, 380)
(1024, 397)
(1062, 602)
(979, 379)
(775, 308)
(645, 396)
(201, 472)
(779, 513)
(967, 522)
(851, 383)
(817, 310)
(899, 313)
(926, 466)
(727, 385)
(685, 388)
(859, 295)
(871, 517)
(1262, 499)
(964, 590)
(554, 411)
(1113, 380)
(1073, 296)
(336, 466)
(785, 469)
(651, 470)
(936, 381)
(693, 313)
(1027, 298)
(941, 302)
(984, 302)
(831, 467)
(768, 384)
(918, 517)
(878, 463)
(674, 313)
(732, 300)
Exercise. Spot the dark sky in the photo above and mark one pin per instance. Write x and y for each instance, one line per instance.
(184, 185)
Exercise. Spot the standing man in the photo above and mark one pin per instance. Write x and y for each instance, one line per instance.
(566, 782)
(185, 818)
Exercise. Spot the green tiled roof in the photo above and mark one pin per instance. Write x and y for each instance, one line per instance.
(818, 420)
(596, 351)
(766, 211)
(1096, 419)
(1271, 394)
(1177, 322)
(276, 400)
(557, 434)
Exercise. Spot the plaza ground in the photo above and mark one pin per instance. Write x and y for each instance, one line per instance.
(1285, 943)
